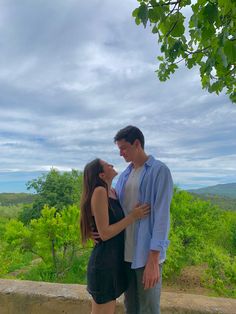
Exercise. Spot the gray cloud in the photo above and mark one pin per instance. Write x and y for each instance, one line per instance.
(73, 73)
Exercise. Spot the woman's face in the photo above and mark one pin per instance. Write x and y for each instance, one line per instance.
(108, 171)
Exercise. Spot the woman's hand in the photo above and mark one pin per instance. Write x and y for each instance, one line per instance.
(140, 211)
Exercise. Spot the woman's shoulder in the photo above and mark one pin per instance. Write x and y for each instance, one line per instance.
(100, 191)
(99, 198)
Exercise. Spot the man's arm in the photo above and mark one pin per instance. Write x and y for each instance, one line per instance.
(160, 231)
(151, 273)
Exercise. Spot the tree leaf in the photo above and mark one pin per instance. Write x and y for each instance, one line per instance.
(210, 12)
(143, 13)
(223, 57)
(135, 12)
(230, 50)
(176, 25)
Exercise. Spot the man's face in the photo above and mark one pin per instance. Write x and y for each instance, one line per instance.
(127, 150)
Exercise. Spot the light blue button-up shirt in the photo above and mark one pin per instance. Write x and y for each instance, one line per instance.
(155, 189)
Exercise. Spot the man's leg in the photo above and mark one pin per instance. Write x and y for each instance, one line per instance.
(131, 297)
(149, 300)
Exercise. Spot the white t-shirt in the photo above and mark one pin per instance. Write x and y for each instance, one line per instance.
(130, 200)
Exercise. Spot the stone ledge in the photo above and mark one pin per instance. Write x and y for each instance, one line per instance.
(29, 297)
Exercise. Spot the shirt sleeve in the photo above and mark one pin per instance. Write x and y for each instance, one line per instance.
(161, 209)
(118, 187)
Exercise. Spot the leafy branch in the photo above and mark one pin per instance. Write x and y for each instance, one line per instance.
(207, 40)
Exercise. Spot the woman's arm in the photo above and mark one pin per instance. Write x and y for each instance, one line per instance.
(99, 205)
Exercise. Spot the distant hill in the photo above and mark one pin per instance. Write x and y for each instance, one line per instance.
(8, 199)
(223, 190)
(225, 203)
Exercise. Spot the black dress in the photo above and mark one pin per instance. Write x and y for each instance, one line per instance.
(106, 279)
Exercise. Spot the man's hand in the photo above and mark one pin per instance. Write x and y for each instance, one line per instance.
(151, 274)
(95, 237)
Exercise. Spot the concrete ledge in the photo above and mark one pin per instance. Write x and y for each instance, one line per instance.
(29, 297)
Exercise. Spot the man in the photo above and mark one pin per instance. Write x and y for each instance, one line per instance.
(145, 180)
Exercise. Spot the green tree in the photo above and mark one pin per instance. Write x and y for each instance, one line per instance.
(11, 255)
(55, 189)
(194, 225)
(202, 233)
(206, 37)
(53, 237)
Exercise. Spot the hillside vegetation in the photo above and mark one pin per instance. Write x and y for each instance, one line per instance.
(9, 199)
(225, 203)
(202, 235)
(224, 190)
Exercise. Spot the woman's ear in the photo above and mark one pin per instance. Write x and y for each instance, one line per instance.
(102, 175)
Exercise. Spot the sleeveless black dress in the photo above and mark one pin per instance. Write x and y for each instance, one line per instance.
(106, 279)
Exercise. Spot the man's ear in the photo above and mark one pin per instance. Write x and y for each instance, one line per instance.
(137, 143)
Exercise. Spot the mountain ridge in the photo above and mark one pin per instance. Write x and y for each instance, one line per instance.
(225, 190)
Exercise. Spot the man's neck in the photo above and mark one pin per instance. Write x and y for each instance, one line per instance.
(140, 160)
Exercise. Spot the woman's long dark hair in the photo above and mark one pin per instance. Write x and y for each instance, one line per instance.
(91, 180)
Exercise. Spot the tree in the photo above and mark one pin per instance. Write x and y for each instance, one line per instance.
(206, 38)
(54, 237)
(202, 234)
(55, 189)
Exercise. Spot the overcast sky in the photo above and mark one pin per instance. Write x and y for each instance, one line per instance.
(73, 72)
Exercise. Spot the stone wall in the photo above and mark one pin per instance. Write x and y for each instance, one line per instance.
(28, 297)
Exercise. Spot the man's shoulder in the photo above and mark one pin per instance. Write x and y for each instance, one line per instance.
(159, 171)
(158, 164)
(123, 174)
(127, 170)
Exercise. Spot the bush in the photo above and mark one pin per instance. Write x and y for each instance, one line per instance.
(221, 273)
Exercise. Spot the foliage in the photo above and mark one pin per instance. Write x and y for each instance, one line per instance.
(227, 190)
(10, 211)
(55, 189)
(76, 273)
(53, 237)
(221, 272)
(206, 38)
(226, 232)
(192, 221)
(225, 203)
(3, 222)
(11, 199)
(29, 212)
(10, 259)
(201, 233)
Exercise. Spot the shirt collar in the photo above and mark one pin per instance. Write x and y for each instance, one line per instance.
(147, 163)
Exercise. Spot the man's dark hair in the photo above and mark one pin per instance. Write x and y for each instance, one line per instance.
(130, 133)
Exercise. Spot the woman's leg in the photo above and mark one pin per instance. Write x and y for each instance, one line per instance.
(106, 308)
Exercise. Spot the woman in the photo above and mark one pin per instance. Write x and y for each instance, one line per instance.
(101, 212)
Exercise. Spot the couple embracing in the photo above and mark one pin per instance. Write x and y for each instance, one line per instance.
(131, 224)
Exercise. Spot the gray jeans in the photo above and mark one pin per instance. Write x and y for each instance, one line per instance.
(138, 300)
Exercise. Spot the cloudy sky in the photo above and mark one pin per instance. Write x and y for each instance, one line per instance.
(74, 72)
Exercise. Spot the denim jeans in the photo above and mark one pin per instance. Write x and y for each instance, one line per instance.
(138, 300)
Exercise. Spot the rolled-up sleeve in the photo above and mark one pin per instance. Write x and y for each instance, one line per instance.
(161, 210)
